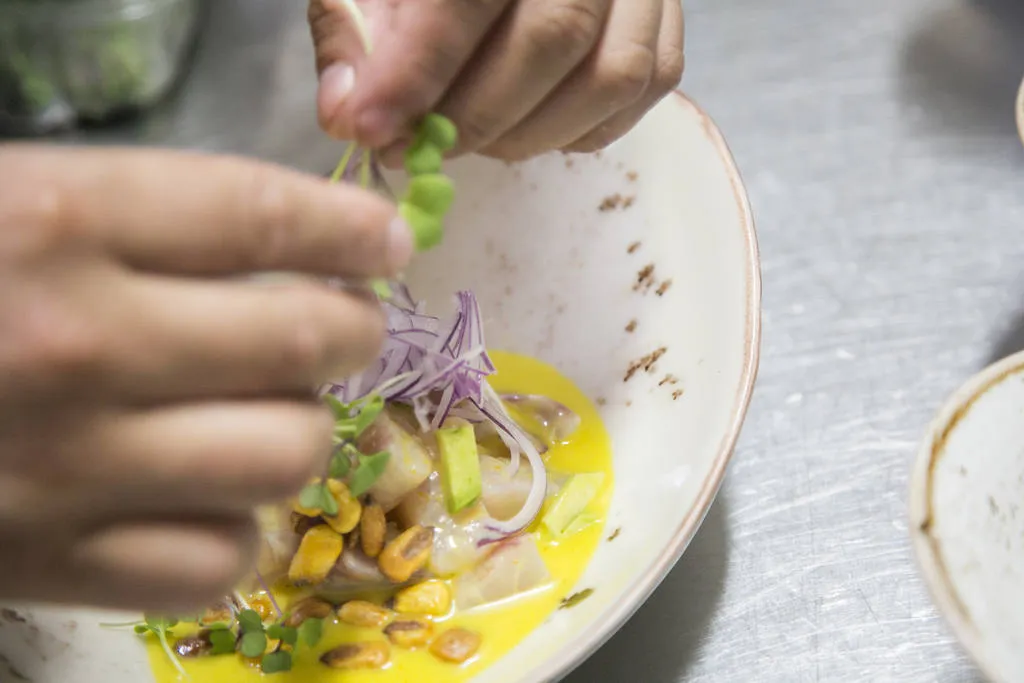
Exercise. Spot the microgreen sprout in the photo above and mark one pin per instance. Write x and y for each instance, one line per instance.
(255, 637)
(161, 627)
(361, 470)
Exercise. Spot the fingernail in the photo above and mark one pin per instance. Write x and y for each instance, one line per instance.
(400, 244)
(378, 127)
(335, 84)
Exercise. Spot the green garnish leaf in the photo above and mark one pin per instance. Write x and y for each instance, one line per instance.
(161, 627)
(311, 496)
(427, 229)
(254, 643)
(160, 623)
(286, 634)
(439, 131)
(311, 630)
(222, 641)
(339, 409)
(381, 288)
(340, 464)
(277, 662)
(345, 431)
(431, 192)
(369, 408)
(422, 157)
(217, 626)
(367, 472)
(249, 621)
(328, 505)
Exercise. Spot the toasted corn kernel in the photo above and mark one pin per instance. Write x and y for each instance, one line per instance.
(308, 608)
(193, 646)
(407, 554)
(456, 645)
(410, 632)
(262, 605)
(372, 529)
(319, 549)
(363, 613)
(349, 509)
(368, 655)
(430, 597)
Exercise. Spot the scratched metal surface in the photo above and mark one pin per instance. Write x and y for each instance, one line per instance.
(877, 142)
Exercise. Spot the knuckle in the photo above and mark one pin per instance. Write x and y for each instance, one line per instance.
(36, 215)
(366, 239)
(272, 217)
(306, 346)
(669, 71)
(476, 126)
(570, 27)
(625, 74)
(60, 347)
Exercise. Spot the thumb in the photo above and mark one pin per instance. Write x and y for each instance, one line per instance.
(418, 49)
(339, 50)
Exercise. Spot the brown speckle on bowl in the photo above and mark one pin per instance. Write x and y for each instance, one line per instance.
(628, 201)
(647, 363)
(631, 249)
(632, 176)
(668, 379)
(663, 287)
(644, 278)
(676, 394)
(631, 325)
(610, 203)
(615, 534)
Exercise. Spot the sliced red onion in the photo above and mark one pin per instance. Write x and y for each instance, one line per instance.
(439, 367)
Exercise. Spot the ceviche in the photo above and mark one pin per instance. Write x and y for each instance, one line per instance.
(465, 495)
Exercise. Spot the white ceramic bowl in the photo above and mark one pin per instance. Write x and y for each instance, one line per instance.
(967, 519)
(546, 246)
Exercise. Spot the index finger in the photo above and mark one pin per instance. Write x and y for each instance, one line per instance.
(184, 212)
(418, 49)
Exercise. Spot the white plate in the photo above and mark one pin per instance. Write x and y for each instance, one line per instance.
(555, 277)
(967, 518)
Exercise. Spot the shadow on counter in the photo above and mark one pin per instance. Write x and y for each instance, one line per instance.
(1010, 342)
(962, 66)
(663, 638)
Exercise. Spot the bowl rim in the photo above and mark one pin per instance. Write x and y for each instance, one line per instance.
(583, 646)
(926, 546)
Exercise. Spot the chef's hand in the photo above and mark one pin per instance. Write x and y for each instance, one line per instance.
(148, 399)
(518, 77)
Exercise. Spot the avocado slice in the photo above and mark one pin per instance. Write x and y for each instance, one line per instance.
(571, 501)
(460, 467)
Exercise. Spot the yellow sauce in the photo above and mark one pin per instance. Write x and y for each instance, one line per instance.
(502, 625)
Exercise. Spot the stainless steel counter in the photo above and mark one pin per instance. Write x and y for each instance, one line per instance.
(878, 147)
